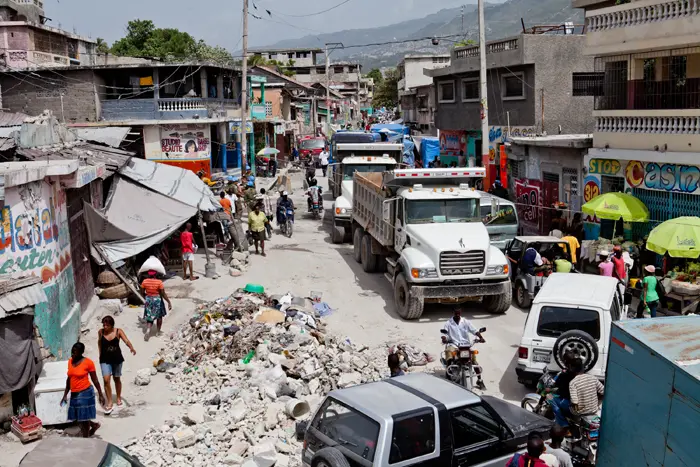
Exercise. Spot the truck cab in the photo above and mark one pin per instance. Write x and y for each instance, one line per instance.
(351, 158)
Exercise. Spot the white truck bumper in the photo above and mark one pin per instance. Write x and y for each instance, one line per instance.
(477, 289)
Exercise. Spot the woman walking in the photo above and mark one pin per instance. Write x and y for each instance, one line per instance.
(154, 309)
(649, 295)
(111, 359)
(82, 395)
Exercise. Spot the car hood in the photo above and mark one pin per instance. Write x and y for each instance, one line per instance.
(461, 236)
(520, 421)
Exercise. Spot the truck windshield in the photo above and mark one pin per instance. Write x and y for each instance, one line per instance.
(504, 216)
(442, 211)
(349, 170)
(312, 144)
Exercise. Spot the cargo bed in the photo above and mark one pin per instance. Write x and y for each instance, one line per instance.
(368, 207)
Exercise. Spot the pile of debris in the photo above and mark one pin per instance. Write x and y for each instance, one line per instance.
(238, 264)
(247, 369)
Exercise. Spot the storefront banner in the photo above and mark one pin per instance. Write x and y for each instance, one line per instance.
(528, 197)
(185, 141)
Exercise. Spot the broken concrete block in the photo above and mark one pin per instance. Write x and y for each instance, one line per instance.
(154, 461)
(238, 448)
(227, 392)
(195, 415)
(238, 411)
(143, 377)
(264, 455)
(282, 461)
(184, 438)
(271, 413)
(314, 384)
(233, 459)
(233, 272)
(349, 379)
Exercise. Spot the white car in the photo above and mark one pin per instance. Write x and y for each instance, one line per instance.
(570, 312)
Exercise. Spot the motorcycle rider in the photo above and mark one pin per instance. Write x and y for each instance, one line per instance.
(586, 391)
(313, 193)
(310, 172)
(561, 404)
(284, 202)
(457, 333)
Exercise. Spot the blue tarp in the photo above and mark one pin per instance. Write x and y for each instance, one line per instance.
(429, 149)
(396, 127)
(408, 148)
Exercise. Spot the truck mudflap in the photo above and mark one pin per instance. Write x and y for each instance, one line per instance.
(460, 290)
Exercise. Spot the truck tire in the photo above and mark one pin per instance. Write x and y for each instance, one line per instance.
(499, 304)
(357, 243)
(369, 260)
(329, 457)
(522, 298)
(580, 342)
(407, 307)
(337, 234)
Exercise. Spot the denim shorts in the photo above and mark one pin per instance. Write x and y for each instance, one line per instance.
(110, 369)
(188, 256)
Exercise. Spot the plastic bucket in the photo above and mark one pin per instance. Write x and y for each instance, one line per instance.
(296, 408)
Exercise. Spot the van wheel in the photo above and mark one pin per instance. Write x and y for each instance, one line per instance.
(337, 234)
(357, 244)
(578, 342)
(522, 297)
(329, 457)
(369, 260)
(499, 304)
(407, 307)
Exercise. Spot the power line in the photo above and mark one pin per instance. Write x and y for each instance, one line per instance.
(310, 14)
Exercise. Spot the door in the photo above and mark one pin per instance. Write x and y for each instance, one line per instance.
(399, 226)
(476, 437)
(550, 195)
(80, 246)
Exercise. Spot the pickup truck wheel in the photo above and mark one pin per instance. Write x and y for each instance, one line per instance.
(407, 307)
(499, 304)
(369, 260)
(329, 457)
(522, 297)
(579, 342)
(357, 244)
(337, 234)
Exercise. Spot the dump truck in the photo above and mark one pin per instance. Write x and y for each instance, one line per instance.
(351, 158)
(424, 229)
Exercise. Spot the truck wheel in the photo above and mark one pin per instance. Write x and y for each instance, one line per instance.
(407, 307)
(369, 261)
(522, 298)
(357, 244)
(337, 234)
(329, 457)
(499, 304)
(579, 342)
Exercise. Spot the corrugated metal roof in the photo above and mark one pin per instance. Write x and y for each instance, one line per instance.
(111, 135)
(12, 118)
(7, 144)
(6, 131)
(17, 294)
(87, 153)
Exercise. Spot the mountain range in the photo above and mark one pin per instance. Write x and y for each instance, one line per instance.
(502, 20)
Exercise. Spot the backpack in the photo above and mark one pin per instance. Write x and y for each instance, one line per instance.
(527, 461)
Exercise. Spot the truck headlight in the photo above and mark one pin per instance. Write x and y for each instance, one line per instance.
(346, 211)
(497, 270)
(424, 273)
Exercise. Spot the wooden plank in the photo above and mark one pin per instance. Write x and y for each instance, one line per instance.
(122, 278)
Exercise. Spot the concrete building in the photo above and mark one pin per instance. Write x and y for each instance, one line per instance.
(178, 113)
(529, 92)
(26, 42)
(646, 84)
(298, 57)
(414, 110)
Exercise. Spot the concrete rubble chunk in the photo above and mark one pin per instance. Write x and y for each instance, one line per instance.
(227, 392)
(282, 461)
(184, 438)
(238, 448)
(143, 377)
(349, 379)
(195, 414)
(238, 411)
(264, 455)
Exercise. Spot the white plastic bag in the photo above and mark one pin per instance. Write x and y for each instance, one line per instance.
(152, 263)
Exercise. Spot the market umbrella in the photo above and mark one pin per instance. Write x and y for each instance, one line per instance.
(679, 237)
(613, 206)
(268, 152)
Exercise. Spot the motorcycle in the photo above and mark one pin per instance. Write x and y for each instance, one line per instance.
(461, 365)
(314, 202)
(582, 445)
(286, 220)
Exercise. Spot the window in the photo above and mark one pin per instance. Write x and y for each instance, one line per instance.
(615, 312)
(399, 210)
(357, 432)
(513, 86)
(290, 55)
(349, 170)
(270, 56)
(268, 109)
(470, 90)
(473, 425)
(338, 69)
(610, 184)
(517, 169)
(587, 84)
(446, 91)
(556, 320)
(442, 211)
(571, 184)
(413, 436)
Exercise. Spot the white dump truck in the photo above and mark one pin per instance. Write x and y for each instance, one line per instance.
(351, 158)
(424, 228)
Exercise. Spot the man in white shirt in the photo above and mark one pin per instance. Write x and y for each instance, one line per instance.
(323, 157)
(231, 196)
(457, 333)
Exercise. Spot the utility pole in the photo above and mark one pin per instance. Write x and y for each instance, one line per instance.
(333, 46)
(462, 30)
(484, 96)
(359, 84)
(244, 91)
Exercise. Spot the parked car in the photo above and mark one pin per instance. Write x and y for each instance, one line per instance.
(416, 419)
(527, 285)
(77, 452)
(571, 312)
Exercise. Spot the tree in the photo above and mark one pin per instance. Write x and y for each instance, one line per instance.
(464, 43)
(102, 46)
(387, 93)
(143, 39)
(204, 52)
(376, 75)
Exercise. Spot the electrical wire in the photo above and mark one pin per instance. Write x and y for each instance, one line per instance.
(309, 14)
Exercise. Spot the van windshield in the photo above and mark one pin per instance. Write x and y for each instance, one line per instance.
(556, 320)
(316, 143)
(442, 211)
(504, 216)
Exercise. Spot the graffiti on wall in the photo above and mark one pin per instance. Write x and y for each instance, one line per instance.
(591, 188)
(498, 135)
(603, 166)
(528, 197)
(35, 240)
(666, 177)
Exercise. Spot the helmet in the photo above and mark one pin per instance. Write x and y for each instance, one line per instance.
(250, 183)
(284, 193)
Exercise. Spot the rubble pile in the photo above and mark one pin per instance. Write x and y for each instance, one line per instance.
(238, 264)
(247, 369)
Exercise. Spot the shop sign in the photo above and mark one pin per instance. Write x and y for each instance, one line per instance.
(453, 141)
(185, 141)
(604, 166)
(257, 111)
(235, 127)
(591, 188)
(528, 196)
(663, 177)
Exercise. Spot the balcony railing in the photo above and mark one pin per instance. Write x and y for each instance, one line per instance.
(629, 15)
(651, 95)
(166, 109)
(491, 48)
(648, 125)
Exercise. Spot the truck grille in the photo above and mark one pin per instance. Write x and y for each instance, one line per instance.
(454, 263)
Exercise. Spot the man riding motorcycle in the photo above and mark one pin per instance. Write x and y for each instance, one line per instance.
(456, 333)
(283, 202)
(313, 193)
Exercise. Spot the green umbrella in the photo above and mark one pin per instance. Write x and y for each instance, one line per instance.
(679, 237)
(613, 206)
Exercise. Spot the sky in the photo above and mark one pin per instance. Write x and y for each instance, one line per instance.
(218, 22)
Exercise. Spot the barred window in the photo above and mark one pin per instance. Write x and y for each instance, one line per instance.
(587, 84)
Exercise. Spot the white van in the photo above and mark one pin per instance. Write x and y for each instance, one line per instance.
(570, 312)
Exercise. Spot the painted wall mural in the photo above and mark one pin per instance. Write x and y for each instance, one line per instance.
(35, 240)
(528, 196)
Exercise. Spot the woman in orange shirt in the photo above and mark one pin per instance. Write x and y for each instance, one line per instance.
(154, 309)
(82, 395)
